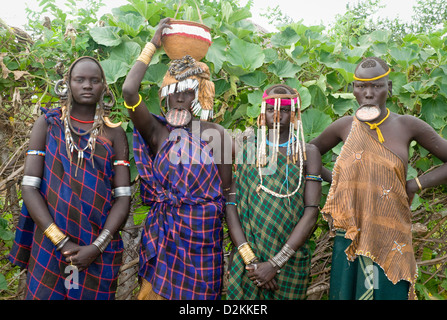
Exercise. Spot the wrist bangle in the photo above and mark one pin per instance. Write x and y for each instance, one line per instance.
(282, 256)
(54, 234)
(147, 53)
(418, 183)
(62, 243)
(134, 106)
(103, 240)
(246, 253)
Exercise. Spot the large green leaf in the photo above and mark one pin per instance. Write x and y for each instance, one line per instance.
(131, 24)
(247, 56)
(216, 53)
(127, 52)
(314, 122)
(145, 8)
(155, 73)
(284, 69)
(114, 69)
(107, 36)
(285, 38)
(404, 56)
(254, 79)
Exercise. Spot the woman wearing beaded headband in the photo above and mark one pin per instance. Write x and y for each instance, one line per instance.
(273, 204)
(68, 194)
(181, 254)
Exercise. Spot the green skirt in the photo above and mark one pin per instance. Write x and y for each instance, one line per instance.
(361, 279)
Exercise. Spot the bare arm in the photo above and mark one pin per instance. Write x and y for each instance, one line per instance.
(329, 138)
(312, 196)
(152, 131)
(429, 139)
(34, 165)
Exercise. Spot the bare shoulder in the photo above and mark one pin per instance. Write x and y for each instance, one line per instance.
(413, 124)
(118, 138)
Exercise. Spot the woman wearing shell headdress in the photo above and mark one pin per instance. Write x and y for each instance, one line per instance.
(184, 183)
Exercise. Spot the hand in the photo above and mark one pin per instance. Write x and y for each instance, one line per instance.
(263, 274)
(81, 256)
(411, 188)
(156, 39)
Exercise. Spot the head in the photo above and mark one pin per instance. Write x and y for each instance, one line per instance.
(86, 81)
(187, 86)
(85, 84)
(283, 116)
(372, 84)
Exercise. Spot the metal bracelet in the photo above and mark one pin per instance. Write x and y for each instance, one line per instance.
(61, 244)
(103, 240)
(122, 192)
(283, 256)
(31, 181)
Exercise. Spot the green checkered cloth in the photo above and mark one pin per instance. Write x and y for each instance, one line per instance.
(267, 222)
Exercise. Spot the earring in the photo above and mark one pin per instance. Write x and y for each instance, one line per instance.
(107, 105)
(61, 89)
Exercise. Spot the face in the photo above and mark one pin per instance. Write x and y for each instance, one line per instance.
(284, 116)
(181, 100)
(86, 82)
(371, 92)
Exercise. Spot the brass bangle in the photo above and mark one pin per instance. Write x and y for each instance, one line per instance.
(147, 53)
(418, 183)
(54, 234)
(246, 253)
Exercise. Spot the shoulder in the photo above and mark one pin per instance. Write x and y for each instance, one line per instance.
(412, 123)
(40, 123)
(313, 153)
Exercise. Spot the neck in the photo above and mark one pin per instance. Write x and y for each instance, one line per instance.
(283, 136)
(83, 112)
(383, 114)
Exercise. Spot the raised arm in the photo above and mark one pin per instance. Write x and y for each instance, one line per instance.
(152, 131)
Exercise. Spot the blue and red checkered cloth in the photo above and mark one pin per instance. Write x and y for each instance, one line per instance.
(79, 205)
(181, 248)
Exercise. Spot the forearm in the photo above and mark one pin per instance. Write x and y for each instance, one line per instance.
(303, 229)
(434, 178)
(118, 214)
(131, 85)
(37, 207)
(234, 226)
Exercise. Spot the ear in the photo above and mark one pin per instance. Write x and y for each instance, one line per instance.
(390, 88)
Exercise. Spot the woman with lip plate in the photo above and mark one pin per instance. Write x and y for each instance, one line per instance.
(76, 193)
(368, 205)
(184, 179)
(273, 205)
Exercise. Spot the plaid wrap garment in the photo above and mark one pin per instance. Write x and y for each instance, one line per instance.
(181, 246)
(267, 222)
(79, 205)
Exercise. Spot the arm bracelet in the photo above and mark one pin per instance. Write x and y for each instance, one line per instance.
(62, 243)
(147, 53)
(55, 235)
(282, 256)
(122, 192)
(31, 181)
(246, 253)
(103, 240)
